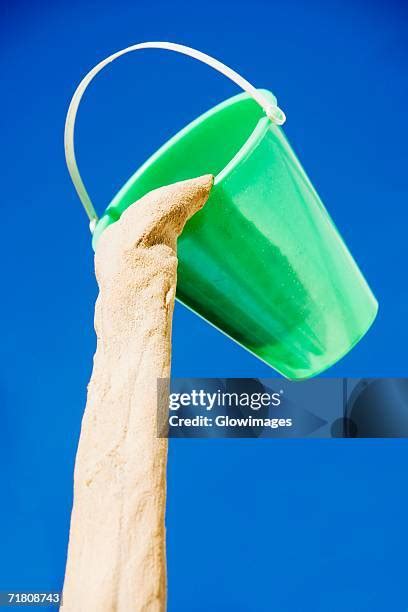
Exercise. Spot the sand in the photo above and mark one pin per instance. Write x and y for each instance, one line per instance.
(116, 554)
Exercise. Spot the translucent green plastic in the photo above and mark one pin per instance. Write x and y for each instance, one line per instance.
(262, 261)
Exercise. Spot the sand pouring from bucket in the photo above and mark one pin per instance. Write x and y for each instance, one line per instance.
(263, 261)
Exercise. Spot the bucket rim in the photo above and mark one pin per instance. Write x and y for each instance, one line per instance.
(111, 213)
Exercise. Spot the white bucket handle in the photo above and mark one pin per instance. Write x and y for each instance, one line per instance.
(272, 111)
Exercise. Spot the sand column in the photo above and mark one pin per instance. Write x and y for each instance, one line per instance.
(116, 556)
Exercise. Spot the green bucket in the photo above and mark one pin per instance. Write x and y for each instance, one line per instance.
(262, 261)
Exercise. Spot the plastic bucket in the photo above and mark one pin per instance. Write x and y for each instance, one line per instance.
(262, 261)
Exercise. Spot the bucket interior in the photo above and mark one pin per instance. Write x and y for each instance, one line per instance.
(205, 146)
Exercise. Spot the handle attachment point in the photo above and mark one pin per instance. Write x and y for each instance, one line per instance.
(275, 114)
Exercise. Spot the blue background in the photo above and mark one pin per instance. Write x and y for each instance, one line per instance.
(253, 526)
